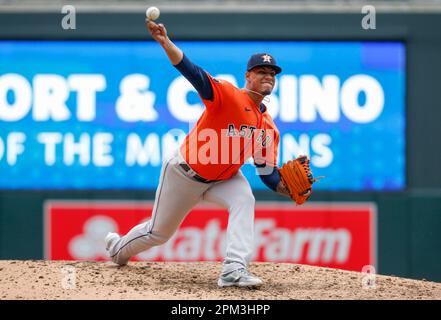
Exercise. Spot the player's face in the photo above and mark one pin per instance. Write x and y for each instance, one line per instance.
(261, 79)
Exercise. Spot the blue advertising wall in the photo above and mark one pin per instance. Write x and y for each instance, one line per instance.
(103, 114)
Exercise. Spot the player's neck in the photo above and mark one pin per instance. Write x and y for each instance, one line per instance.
(255, 96)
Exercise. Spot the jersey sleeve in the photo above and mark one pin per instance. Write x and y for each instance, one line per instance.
(219, 88)
(196, 76)
(209, 89)
(270, 178)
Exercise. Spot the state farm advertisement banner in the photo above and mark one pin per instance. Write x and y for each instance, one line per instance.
(335, 235)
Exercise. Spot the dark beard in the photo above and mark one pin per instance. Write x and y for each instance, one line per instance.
(266, 92)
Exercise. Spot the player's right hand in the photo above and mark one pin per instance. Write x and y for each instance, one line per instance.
(158, 31)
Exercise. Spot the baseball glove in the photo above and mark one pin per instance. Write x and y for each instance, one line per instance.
(297, 177)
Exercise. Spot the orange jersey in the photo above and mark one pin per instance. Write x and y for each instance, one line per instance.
(231, 130)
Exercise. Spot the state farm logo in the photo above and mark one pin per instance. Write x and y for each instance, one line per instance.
(317, 245)
(90, 244)
(332, 237)
(313, 245)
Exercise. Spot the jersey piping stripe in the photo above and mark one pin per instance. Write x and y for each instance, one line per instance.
(154, 215)
(159, 196)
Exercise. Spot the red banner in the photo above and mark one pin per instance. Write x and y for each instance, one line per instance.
(336, 235)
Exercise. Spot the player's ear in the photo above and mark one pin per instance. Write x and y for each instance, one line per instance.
(247, 76)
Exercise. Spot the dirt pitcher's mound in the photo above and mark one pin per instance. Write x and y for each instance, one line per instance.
(177, 281)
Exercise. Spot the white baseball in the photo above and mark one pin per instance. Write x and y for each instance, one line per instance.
(152, 13)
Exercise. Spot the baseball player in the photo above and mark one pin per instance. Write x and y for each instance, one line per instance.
(234, 119)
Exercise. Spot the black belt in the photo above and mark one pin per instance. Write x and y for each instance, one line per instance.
(197, 177)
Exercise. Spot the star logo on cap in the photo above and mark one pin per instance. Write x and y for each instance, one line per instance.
(266, 58)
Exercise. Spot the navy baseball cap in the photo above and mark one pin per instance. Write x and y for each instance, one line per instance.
(263, 60)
